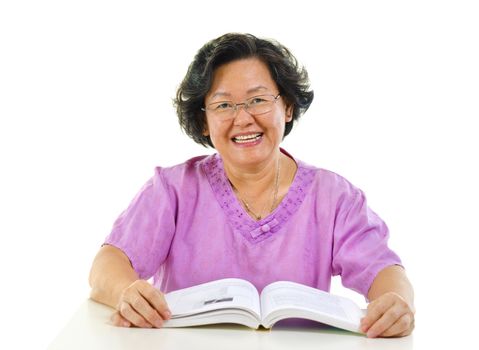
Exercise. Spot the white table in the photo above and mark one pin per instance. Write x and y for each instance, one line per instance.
(90, 329)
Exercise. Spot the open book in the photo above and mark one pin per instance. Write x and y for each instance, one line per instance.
(234, 300)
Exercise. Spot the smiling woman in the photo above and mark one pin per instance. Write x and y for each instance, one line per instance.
(290, 79)
(252, 210)
(246, 140)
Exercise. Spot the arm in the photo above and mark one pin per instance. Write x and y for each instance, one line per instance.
(391, 310)
(110, 273)
(114, 282)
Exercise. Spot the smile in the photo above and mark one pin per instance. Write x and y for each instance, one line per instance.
(247, 138)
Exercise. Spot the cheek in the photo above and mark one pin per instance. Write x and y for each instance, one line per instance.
(278, 123)
(209, 128)
(217, 130)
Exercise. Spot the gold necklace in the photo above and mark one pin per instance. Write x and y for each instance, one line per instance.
(274, 196)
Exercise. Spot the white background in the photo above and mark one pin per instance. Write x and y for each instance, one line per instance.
(86, 114)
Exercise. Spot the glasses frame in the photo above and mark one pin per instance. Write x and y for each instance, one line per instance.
(244, 104)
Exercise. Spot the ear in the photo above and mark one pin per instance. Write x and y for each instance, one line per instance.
(206, 132)
(289, 113)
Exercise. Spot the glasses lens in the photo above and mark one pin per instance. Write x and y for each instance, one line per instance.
(221, 109)
(260, 104)
(254, 106)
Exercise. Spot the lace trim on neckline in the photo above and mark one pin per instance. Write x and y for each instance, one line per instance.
(241, 222)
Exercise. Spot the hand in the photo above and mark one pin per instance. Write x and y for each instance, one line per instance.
(388, 316)
(141, 305)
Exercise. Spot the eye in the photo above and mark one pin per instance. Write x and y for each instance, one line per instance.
(257, 100)
(221, 106)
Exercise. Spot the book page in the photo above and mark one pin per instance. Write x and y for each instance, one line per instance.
(221, 294)
(280, 296)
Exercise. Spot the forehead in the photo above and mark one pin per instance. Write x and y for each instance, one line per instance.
(241, 78)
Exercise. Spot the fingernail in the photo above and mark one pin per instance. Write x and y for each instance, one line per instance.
(371, 335)
(168, 314)
(158, 324)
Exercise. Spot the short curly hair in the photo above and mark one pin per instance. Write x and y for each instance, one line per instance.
(291, 79)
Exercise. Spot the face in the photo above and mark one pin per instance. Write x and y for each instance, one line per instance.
(245, 139)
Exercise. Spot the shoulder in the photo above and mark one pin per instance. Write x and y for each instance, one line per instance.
(327, 185)
(188, 171)
(325, 178)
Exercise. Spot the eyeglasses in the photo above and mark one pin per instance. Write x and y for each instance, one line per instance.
(255, 106)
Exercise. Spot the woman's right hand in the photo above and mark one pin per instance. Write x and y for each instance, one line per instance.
(141, 305)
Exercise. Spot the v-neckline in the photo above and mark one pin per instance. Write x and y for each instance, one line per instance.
(256, 230)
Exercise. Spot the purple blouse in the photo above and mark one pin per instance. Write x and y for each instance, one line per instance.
(187, 227)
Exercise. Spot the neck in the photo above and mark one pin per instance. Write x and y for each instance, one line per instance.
(251, 181)
(261, 189)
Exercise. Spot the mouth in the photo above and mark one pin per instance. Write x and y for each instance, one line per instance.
(247, 138)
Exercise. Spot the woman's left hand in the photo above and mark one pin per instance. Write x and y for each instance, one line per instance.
(388, 316)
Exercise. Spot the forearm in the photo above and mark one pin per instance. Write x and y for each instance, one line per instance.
(110, 274)
(392, 279)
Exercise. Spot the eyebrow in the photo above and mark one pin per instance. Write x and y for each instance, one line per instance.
(249, 91)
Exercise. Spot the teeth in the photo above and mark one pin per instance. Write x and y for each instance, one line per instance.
(247, 138)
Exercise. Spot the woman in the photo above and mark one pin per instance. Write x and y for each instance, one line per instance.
(252, 210)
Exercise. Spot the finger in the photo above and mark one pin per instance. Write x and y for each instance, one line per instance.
(143, 307)
(157, 301)
(119, 321)
(402, 327)
(131, 315)
(385, 321)
(376, 310)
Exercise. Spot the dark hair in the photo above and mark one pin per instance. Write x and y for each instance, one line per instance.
(291, 79)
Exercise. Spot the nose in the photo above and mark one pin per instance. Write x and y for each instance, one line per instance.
(242, 116)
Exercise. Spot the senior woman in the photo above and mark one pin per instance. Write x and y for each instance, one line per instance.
(252, 210)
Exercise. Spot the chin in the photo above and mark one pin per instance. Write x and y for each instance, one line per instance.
(248, 157)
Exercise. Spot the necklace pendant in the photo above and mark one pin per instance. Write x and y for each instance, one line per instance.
(274, 195)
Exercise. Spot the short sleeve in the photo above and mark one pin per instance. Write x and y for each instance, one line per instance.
(144, 231)
(360, 242)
